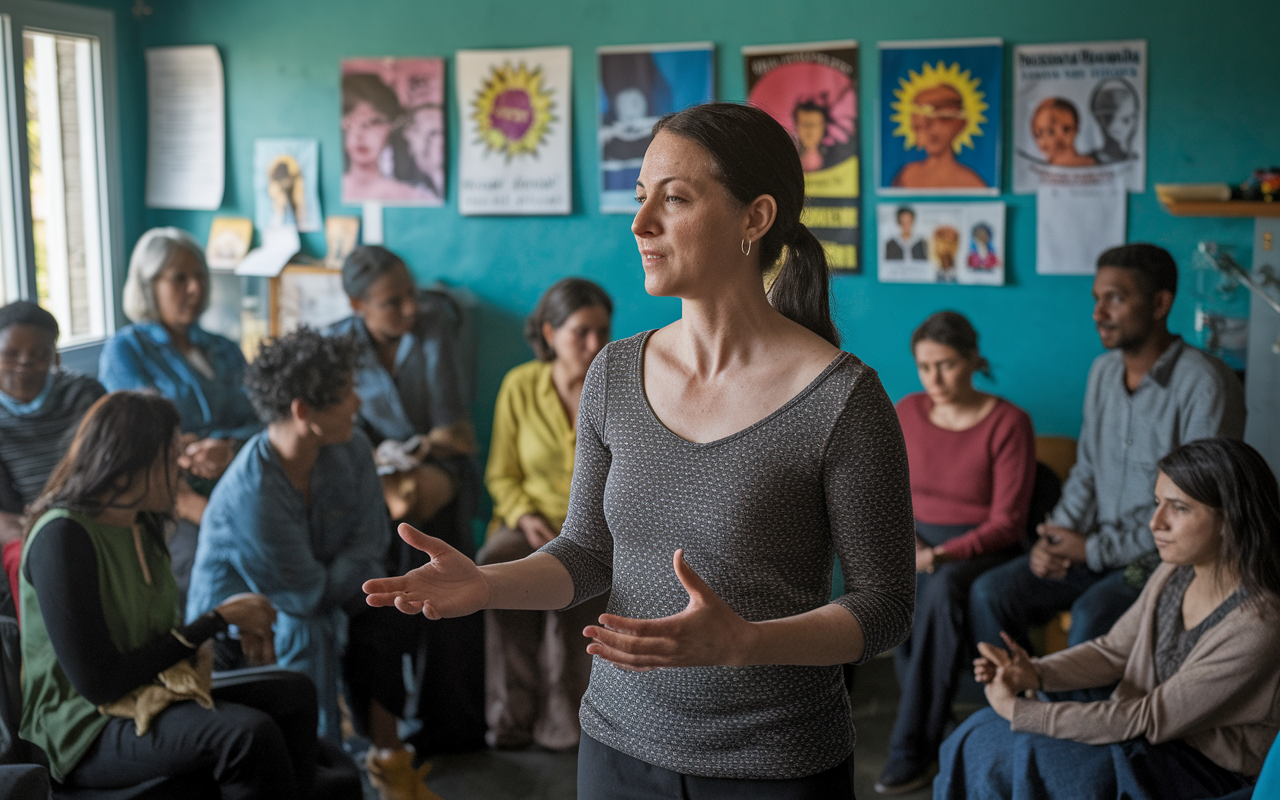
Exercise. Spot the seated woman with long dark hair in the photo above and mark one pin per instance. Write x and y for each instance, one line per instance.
(109, 690)
(1195, 710)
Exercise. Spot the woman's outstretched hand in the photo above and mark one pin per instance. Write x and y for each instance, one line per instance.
(707, 633)
(450, 585)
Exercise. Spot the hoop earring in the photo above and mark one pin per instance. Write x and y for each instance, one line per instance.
(745, 247)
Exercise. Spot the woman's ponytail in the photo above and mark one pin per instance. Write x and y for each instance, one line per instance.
(754, 156)
(802, 290)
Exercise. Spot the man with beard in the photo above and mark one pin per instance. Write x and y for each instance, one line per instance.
(1151, 393)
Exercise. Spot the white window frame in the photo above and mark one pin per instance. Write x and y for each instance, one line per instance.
(42, 16)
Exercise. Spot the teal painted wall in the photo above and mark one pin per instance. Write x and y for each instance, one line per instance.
(1212, 116)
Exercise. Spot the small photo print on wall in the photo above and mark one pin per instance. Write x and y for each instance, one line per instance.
(1080, 105)
(941, 112)
(638, 84)
(393, 133)
(941, 243)
(515, 131)
(812, 91)
(286, 184)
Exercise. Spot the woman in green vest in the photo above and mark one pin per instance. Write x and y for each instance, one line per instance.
(113, 689)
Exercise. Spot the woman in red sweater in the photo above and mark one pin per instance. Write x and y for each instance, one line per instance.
(973, 464)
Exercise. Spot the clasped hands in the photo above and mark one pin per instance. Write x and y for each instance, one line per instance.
(253, 616)
(1006, 673)
(205, 458)
(1055, 551)
(706, 633)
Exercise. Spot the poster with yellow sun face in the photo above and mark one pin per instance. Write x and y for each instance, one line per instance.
(515, 108)
(941, 112)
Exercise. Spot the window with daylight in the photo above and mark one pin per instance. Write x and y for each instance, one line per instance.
(59, 229)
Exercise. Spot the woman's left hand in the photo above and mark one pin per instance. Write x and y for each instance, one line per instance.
(707, 633)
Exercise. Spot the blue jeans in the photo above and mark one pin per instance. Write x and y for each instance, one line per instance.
(1012, 598)
(984, 759)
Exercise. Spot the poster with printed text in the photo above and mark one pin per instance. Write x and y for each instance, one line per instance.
(393, 131)
(637, 85)
(515, 131)
(812, 91)
(960, 243)
(1080, 105)
(941, 111)
(286, 184)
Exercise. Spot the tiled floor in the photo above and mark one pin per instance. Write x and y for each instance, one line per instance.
(540, 775)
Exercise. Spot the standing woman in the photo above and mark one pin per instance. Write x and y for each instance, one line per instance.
(530, 469)
(740, 444)
(166, 350)
(973, 467)
(101, 624)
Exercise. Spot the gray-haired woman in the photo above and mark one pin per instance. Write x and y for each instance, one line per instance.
(166, 350)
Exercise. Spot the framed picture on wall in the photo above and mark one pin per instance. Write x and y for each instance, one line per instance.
(1080, 106)
(517, 114)
(941, 115)
(306, 295)
(638, 84)
(812, 91)
(393, 131)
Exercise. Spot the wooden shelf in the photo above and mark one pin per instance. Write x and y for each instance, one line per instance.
(1222, 208)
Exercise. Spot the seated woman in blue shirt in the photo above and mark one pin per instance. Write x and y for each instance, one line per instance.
(298, 517)
(166, 350)
(409, 383)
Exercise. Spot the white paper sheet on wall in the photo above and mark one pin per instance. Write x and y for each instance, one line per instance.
(186, 144)
(1079, 213)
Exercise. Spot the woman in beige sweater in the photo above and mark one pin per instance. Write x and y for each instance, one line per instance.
(1198, 704)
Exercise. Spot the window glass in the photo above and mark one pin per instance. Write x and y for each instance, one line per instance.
(63, 141)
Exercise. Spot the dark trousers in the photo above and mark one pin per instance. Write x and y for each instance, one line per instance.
(930, 662)
(378, 639)
(258, 742)
(608, 774)
(1012, 598)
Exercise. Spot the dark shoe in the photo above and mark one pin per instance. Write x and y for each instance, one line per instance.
(901, 776)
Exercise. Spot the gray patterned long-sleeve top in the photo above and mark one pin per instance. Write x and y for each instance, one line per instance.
(760, 514)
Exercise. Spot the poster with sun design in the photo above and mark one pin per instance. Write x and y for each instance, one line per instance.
(941, 112)
(812, 91)
(515, 139)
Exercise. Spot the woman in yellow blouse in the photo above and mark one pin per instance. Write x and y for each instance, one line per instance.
(532, 699)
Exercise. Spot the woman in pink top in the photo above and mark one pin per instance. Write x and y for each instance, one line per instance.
(972, 460)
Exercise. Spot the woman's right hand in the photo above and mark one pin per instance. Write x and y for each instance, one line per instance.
(1013, 667)
(450, 585)
(537, 531)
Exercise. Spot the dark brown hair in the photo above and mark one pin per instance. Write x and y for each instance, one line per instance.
(120, 437)
(754, 156)
(953, 330)
(1232, 478)
(557, 304)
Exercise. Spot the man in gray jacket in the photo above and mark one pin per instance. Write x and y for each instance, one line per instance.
(1151, 393)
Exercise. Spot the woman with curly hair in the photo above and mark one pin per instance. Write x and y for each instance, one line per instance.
(298, 517)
